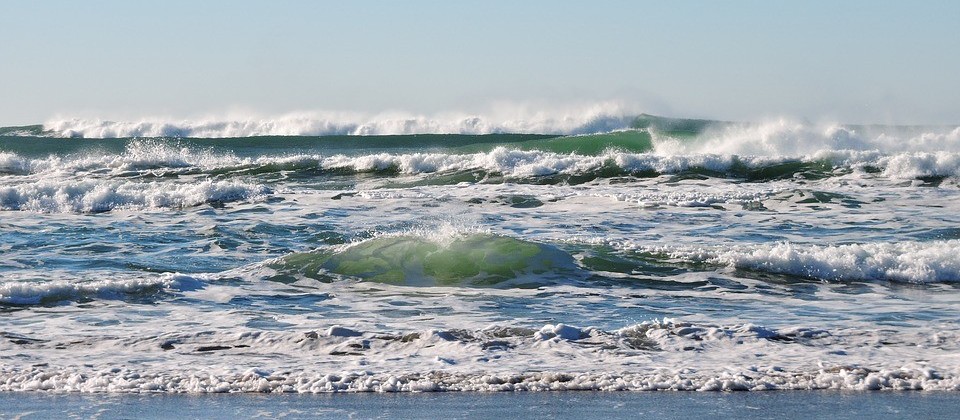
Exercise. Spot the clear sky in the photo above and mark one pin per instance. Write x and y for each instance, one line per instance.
(850, 61)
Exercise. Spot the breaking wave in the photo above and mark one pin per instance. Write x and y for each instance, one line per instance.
(595, 119)
(909, 262)
(53, 291)
(156, 158)
(103, 196)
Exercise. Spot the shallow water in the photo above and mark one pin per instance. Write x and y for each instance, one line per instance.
(585, 405)
(726, 259)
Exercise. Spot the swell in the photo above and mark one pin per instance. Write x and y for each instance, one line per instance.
(460, 259)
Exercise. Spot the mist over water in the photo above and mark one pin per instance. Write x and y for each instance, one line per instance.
(597, 249)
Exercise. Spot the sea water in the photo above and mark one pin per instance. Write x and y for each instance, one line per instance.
(602, 253)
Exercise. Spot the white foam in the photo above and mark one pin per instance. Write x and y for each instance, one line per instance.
(603, 117)
(785, 137)
(702, 196)
(912, 262)
(916, 165)
(19, 292)
(159, 158)
(531, 163)
(653, 355)
(143, 155)
(132, 381)
(99, 196)
(11, 163)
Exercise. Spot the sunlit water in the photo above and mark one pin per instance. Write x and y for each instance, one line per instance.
(478, 263)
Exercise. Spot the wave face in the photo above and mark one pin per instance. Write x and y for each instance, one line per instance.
(474, 259)
(590, 250)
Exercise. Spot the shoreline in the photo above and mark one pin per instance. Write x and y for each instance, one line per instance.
(578, 404)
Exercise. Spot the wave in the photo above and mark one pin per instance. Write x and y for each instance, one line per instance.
(157, 159)
(909, 262)
(636, 153)
(137, 156)
(22, 293)
(459, 259)
(670, 136)
(594, 119)
(785, 137)
(533, 163)
(103, 196)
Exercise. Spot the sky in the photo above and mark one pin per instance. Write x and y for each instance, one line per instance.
(849, 61)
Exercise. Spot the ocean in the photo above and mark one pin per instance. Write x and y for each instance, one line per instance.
(602, 253)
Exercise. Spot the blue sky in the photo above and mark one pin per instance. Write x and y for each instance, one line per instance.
(851, 61)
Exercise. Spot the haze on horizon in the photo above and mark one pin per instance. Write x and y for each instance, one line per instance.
(854, 61)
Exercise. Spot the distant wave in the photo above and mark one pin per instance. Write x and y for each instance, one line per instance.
(665, 136)
(597, 119)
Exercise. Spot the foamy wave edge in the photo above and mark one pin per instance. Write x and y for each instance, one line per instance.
(908, 262)
(149, 155)
(32, 293)
(128, 381)
(649, 337)
(96, 196)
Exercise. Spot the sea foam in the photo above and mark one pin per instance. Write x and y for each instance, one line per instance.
(101, 196)
(649, 356)
(910, 262)
(785, 137)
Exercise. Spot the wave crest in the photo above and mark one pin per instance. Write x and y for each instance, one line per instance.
(33, 293)
(99, 196)
(790, 138)
(597, 119)
(909, 262)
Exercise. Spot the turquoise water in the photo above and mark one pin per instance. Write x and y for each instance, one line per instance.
(668, 254)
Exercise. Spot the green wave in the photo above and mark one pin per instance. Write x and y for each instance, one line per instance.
(479, 260)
